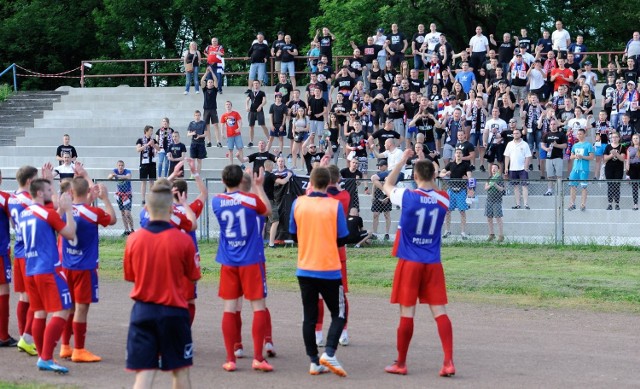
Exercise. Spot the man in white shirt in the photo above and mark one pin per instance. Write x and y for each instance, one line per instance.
(393, 155)
(432, 38)
(560, 40)
(492, 127)
(479, 45)
(517, 157)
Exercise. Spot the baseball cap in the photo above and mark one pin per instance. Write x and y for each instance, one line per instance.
(587, 63)
(523, 44)
(380, 29)
(516, 51)
(281, 32)
(632, 83)
(278, 94)
(382, 162)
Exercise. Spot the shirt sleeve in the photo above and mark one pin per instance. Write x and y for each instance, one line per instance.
(261, 208)
(103, 218)
(397, 194)
(129, 275)
(343, 229)
(55, 221)
(197, 207)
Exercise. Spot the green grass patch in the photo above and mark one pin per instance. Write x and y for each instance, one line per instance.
(32, 385)
(5, 92)
(583, 277)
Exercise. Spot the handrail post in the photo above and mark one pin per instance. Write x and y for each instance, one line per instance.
(15, 80)
(145, 73)
(271, 69)
(81, 74)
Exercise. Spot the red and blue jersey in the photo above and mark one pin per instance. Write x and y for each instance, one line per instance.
(240, 228)
(5, 233)
(197, 206)
(18, 202)
(38, 226)
(82, 252)
(423, 211)
(178, 220)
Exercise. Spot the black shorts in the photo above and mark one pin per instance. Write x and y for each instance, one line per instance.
(210, 116)
(198, 151)
(172, 166)
(159, 338)
(259, 116)
(148, 171)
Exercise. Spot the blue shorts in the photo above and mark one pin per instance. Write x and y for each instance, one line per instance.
(288, 68)
(458, 200)
(5, 268)
(234, 141)
(383, 176)
(579, 175)
(159, 338)
(276, 133)
(257, 71)
(197, 151)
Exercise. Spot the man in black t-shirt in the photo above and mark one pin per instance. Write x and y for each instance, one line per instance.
(258, 55)
(176, 153)
(352, 172)
(378, 98)
(288, 51)
(416, 43)
(344, 83)
(276, 51)
(554, 143)
(197, 132)
(258, 159)
(66, 147)
(387, 132)
(326, 42)
(256, 100)
(146, 146)
(357, 234)
(284, 88)
(397, 46)
(458, 173)
(311, 153)
(424, 121)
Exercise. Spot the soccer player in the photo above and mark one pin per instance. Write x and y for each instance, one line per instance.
(319, 225)
(5, 268)
(241, 255)
(124, 194)
(419, 275)
(80, 261)
(159, 259)
(581, 153)
(19, 201)
(46, 284)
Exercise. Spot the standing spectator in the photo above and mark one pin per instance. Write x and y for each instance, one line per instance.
(124, 195)
(458, 173)
(279, 177)
(517, 156)
(560, 40)
(313, 154)
(581, 154)
(517, 76)
(318, 223)
(351, 171)
(444, 51)
(633, 167)
(231, 125)
(432, 38)
(397, 46)
(314, 55)
(276, 51)
(46, 285)
(80, 263)
(255, 102)
(159, 259)
(632, 49)
(495, 191)
(241, 255)
(164, 139)
(578, 47)
(300, 130)
(258, 159)
(66, 147)
(197, 132)
(191, 60)
(451, 126)
(478, 46)
(284, 87)
(215, 59)
(177, 152)
(258, 55)
(67, 169)
(466, 78)
(545, 43)
(317, 111)
(554, 143)
(393, 155)
(147, 146)
(278, 112)
(492, 127)
(419, 275)
(416, 42)
(210, 110)
(357, 148)
(561, 76)
(288, 52)
(537, 77)
(505, 50)
(380, 204)
(325, 43)
(381, 40)
(631, 103)
(614, 156)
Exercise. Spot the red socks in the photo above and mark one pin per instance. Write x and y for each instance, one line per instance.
(320, 315)
(79, 334)
(51, 335)
(37, 331)
(346, 312)
(28, 322)
(446, 336)
(258, 332)
(404, 334)
(229, 333)
(267, 332)
(192, 313)
(68, 331)
(4, 317)
(238, 341)
(21, 313)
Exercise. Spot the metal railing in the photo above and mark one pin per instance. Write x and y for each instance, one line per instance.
(11, 67)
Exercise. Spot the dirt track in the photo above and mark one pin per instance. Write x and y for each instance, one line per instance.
(493, 347)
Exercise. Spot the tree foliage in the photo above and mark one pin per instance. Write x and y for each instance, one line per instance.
(55, 36)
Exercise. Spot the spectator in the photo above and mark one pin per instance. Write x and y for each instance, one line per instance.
(124, 196)
(357, 147)
(545, 43)
(177, 153)
(581, 153)
(258, 55)
(255, 102)
(560, 40)
(458, 173)
(317, 111)
(493, 127)
(517, 76)
(495, 191)
(380, 203)
(561, 75)
(210, 109)
(278, 112)
(258, 159)
(300, 126)
(231, 125)
(280, 177)
(578, 47)
(325, 43)
(393, 155)
(147, 146)
(191, 60)
(358, 236)
(602, 129)
(530, 113)
(397, 46)
(416, 42)
(632, 161)
(517, 157)
(614, 156)
(478, 46)
(380, 39)
(351, 171)
(215, 60)
(67, 169)
(625, 129)
(314, 55)
(466, 78)
(554, 143)
(631, 104)
(197, 132)
(313, 154)
(276, 51)
(66, 147)
(164, 139)
(288, 52)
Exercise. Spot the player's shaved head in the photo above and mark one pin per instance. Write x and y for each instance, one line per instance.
(26, 173)
(245, 185)
(232, 176)
(320, 177)
(160, 199)
(425, 170)
(80, 186)
(334, 172)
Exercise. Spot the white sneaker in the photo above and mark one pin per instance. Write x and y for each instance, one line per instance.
(344, 338)
(446, 234)
(317, 369)
(186, 93)
(197, 92)
(319, 340)
(239, 353)
(464, 236)
(270, 350)
(333, 364)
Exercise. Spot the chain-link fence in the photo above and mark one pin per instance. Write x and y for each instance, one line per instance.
(536, 211)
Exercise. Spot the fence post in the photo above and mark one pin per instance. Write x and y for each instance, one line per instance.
(559, 202)
(145, 73)
(15, 80)
(206, 210)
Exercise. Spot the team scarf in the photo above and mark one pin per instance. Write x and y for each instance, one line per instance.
(478, 118)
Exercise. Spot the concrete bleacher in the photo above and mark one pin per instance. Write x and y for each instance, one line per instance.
(104, 124)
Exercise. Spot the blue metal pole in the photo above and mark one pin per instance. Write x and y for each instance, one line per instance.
(15, 82)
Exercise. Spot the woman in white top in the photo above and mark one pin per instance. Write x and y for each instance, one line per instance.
(536, 76)
(300, 133)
